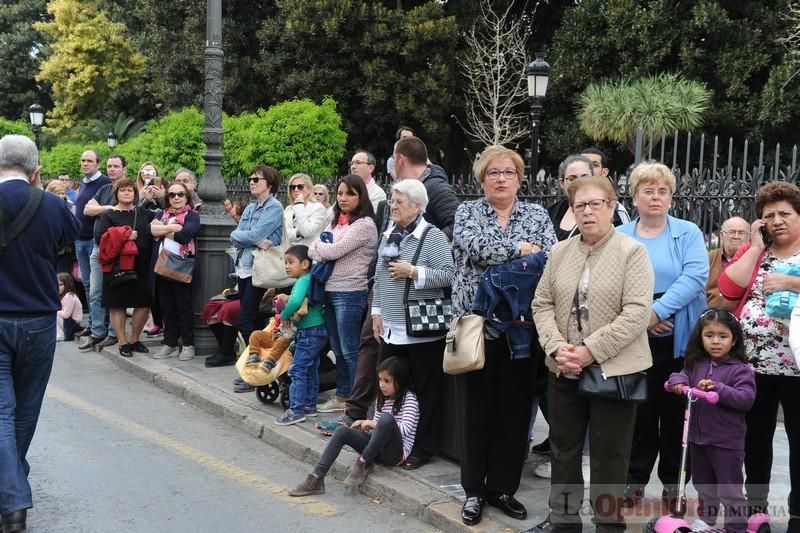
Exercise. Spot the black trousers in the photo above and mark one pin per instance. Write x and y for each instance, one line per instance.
(249, 301)
(659, 422)
(761, 422)
(176, 309)
(610, 424)
(365, 383)
(425, 362)
(494, 408)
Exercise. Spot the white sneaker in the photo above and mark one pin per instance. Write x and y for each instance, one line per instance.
(331, 406)
(165, 352)
(187, 353)
(543, 470)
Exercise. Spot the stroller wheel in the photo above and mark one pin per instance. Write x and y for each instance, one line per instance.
(267, 393)
(650, 526)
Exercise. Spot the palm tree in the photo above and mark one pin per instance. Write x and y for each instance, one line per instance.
(612, 110)
(124, 127)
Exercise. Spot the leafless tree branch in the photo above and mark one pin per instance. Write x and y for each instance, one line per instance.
(494, 69)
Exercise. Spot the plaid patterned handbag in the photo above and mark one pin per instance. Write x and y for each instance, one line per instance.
(426, 317)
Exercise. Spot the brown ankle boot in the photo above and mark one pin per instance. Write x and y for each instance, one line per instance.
(358, 473)
(312, 485)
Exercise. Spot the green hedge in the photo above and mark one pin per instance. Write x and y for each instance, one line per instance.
(14, 127)
(294, 136)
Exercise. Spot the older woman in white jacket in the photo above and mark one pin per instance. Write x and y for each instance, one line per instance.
(305, 217)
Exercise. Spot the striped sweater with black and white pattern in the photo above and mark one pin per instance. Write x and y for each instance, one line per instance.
(407, 420)
(435, 271)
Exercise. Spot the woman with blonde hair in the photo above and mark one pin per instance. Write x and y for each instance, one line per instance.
(305, 217)
(150, 186)
(679, 261)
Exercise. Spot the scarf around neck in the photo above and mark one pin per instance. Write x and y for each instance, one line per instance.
(180, 218)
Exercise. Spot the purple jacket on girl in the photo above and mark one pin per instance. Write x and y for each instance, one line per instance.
(722, 425)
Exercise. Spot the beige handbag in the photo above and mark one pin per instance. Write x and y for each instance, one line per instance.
(464, 349)
(269, 271)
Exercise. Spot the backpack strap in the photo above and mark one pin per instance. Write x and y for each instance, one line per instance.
(24, 218)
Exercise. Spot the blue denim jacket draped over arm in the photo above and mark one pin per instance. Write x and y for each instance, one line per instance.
(504, 297)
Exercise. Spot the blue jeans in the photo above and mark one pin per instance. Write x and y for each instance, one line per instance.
(304, 371)
(26, 358)
(344, 314)
(97, 313)
(83, 251)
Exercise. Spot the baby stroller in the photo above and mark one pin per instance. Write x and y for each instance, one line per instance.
(279, 388)
(673, 523)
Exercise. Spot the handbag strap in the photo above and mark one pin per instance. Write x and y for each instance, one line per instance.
(414, 262)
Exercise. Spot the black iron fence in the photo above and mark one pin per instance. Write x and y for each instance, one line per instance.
(715, 179)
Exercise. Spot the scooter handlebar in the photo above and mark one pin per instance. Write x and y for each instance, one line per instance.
(710, 396)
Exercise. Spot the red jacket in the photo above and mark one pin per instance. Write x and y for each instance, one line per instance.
(114, 244)
(732, 291)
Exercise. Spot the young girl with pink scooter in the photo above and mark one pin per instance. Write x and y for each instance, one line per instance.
(716, 361)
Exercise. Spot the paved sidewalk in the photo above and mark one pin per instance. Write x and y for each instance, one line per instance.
(431, 494)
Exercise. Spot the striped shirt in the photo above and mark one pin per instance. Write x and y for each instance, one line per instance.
(407, 420)
(434, 271)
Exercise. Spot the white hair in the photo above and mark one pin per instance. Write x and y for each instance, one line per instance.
(414, 190)
(18, 152)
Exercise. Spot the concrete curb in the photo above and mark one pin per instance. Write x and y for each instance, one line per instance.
(399, 490)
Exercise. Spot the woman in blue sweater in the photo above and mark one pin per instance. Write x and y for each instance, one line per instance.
(680, 263)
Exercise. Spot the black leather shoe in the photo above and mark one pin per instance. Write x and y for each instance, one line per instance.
(472, 510)
(415, 461)
(83, 333)
(139, 347)
(219, 360)
(14, 522)
(510, 506)
(549, 527)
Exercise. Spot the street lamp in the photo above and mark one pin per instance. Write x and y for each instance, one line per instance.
(538, 72)
(112, 140)
(36, 113)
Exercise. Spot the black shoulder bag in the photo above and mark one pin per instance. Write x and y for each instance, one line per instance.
(24, 218)
(593, 382)
(426, 317)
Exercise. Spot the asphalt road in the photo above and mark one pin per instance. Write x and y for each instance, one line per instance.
(114, 454)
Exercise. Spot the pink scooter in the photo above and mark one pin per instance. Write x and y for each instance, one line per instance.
(674, 523)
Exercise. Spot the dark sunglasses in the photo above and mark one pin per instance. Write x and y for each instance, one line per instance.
(177, 194)
(298, 187)
(254, 179)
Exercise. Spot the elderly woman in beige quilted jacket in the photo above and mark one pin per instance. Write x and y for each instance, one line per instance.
(592, 306)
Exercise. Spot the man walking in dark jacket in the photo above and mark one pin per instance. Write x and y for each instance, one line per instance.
(29, 301)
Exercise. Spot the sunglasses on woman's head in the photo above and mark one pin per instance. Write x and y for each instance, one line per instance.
(177, 194)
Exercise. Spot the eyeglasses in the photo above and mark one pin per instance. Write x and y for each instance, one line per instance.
(495, 175)
(176, 194)
(254, 179)
(298, 187)
(735, 232)
(594, 205)
(357, 162)
(319, 194)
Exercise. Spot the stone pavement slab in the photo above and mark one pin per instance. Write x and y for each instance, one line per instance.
(431, 494)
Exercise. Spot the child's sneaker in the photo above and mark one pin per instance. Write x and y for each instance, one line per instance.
(290, 417)
(312, 485)
(358, 473)
(253, 359)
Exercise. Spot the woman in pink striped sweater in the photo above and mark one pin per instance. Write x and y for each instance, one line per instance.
(353, 247)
